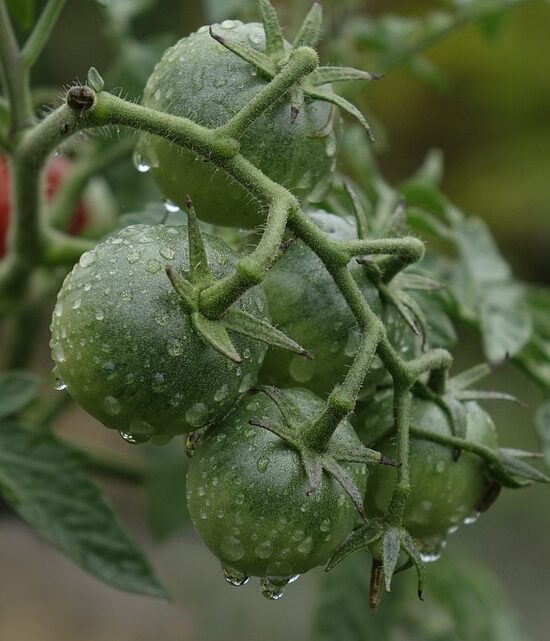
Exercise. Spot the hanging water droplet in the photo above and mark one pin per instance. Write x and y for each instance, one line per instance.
(234, 577)
(270, 591)
(59, 384)
(140, 163)
(472, 518)
(133, 439)
(170, 207)
(87, 259)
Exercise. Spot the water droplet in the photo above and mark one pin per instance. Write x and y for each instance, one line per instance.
(231, 548)
(170, 207)
(58, 309)
(246, 383)
(174, 347)
(197, 415)
(59, 383)
(87, 259)
(440, 467)
(203, 29)
(112, 405)
(153, 266)
(228, 24)
(108, 369)
(126, 295)
(140, 163)
(221, 394)
(472, 518)
(305, 546)
(58, 353)
(301, 369)
(162, 317)
(255, 38)
(87, 287)
(270, 591)
(264, 549)
(132, 257)
(325, 525)
(133, 439)
(142, 428)
(158, 382)
(262, 464)
(234, 577)
(76, 304)
(99, 314)
(167, 252)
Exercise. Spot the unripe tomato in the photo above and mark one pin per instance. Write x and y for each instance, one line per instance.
(306, 304)
(200, 79)
(247, 495)
(124, 344)
(444, 492)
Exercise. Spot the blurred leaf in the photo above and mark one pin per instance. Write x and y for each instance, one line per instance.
(17, 390)
(441, 329)
(23, 12)
(121, 12)
(535, 358)
(462, 603)
(42, 479)
(218, 10)
(166, 475)
(542, 422)
(480, 252)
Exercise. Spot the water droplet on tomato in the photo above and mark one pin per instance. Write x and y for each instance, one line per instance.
(87, 259)
(235, 577)
(112, 405)
(228, 24)
(170, 207)
(140, 163)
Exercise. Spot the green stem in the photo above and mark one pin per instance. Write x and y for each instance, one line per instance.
(402, 487)
(341, 401)
(15, 77)
(40, 33)
(302, 61)
(406, 250)
(454, 442)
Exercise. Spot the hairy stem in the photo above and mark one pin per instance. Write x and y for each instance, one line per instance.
(402, 487)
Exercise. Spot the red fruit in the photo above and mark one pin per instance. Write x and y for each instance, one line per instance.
(57, 169)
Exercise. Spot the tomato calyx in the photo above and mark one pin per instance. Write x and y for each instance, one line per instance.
(392, 540)
(315, 85)
(214, 332)
(297, 431)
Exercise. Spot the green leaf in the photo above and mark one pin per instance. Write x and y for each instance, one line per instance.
(165, 484)
(391, 545)
(121, 12)
(480, 252)
(43, 480)
(23, 11)
(512, 468)
(17, 390)
(535, 358)
(542, 423)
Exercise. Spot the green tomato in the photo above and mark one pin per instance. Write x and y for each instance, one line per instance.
(444, 493)
(247, 495)
(306, 304)
(199, 79)
(125, 347)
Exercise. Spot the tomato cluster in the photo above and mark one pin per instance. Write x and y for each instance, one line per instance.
(132, 346)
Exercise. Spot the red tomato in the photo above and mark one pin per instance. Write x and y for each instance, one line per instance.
(57, 169)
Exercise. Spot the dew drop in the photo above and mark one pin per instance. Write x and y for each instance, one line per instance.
(301, 369)
(264, 549)
(221, 393)
(197, 415)
(255, 38)
(153, 266)
(58, 309)
(174, 347)
(87, 259)
(305, 546)
(231, 548)
(228, 24)
(76, 304)
(133, 439)
(59, 383)
(472, 518)
(58, 353)
(203, 29)
(112, 405)
(262, 464)
(140, 163)
(132, 257)
(234, 577)
(167, 252)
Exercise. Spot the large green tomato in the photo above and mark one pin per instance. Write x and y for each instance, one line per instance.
(444, 492)
(200, 79)
(125, 347)
(305, 303)
(247, 496)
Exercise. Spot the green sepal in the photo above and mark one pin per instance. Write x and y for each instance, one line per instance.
(262, 63)
(314, 470)
(344, 479)
(290, 412)
(199, 271)
(487, 395)
(417, 282)
(274, 39)
(410, 549)
(278, 429)
(510, 469)
(215, 335)
(360, 538)
(241, 322)
(296, 103)
(183, 289)
(328, 75)
(391, 546)
(311, 29)
(344, 104)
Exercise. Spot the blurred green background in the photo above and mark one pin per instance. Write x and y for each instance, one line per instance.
(483, 98)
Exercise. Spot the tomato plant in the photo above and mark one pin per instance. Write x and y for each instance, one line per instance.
(307, 367)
